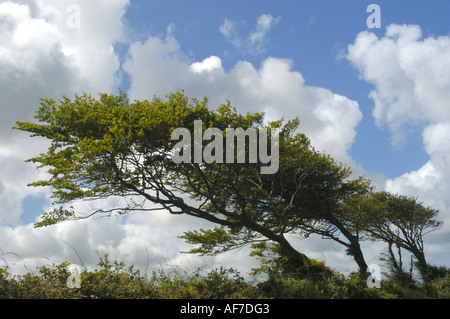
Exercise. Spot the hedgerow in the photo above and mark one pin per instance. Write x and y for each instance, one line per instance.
(115, 280)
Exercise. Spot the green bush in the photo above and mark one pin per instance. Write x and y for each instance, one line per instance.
(441, 287)
(217, 284)
(114, 280)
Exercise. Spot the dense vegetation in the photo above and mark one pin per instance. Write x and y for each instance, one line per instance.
(115, 280)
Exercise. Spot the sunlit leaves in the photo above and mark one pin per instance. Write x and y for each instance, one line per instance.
(54, 216)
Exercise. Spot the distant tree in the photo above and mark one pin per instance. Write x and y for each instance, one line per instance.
(113, 147)
(393, 258)
(401, 221)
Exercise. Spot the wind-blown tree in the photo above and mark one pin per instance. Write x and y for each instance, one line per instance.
(308, 195)
(401, 221)
(114, 147)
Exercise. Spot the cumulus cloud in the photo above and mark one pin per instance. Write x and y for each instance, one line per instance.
(431, 181)
(410, 75)
(411, 78)
(208, 65)
(44, 53)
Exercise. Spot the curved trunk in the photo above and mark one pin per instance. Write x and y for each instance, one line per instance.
(421, 264)
(293, 253)
(356, 252)
(354, 248)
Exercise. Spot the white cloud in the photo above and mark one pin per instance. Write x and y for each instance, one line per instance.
(19, 49)
(207, 65)
(41, 55)
(36, 37)
(229, 30)
(15, 175)
(436, 139)
(411, 78)
(263, 25)
(431, 181)
(157, 64)
(410, 74)
(254, 43)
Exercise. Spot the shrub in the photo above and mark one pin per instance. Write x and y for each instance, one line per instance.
(441, 287)
(115, 280)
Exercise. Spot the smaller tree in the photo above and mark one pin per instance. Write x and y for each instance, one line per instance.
(403, 221)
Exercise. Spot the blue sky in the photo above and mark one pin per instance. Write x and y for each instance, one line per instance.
(374, 98)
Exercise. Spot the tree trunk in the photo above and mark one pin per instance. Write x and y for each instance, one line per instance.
(353, 247)
(421, 264)
(355, 250)
(293, 253)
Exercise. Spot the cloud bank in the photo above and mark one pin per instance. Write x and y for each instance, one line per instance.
(411, 78)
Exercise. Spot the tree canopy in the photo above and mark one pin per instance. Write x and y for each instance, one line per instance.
(113, 147)
(401, 221)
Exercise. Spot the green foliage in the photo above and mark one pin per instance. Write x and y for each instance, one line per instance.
(217, 284)
(55, 216)
(113, 147)
(114, 280)
(212, 241)
(91, 139)
(403, 221)
(441, 287)
(276, 262)
(335, 287)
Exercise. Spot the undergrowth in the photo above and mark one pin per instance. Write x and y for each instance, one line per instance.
(115, 280)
